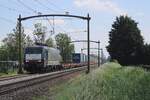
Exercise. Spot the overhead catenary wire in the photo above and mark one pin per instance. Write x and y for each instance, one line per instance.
(7, 20)
(40, 3)
(20, 2)
(57, 7)
(44, 5)
(13, 1)
(13, 9)
(32, 10)
(36, 12)
(28, 7)
(12, 22)
(49, 22)
(53, 26)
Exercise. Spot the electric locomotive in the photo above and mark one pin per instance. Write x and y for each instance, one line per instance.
(41, 59)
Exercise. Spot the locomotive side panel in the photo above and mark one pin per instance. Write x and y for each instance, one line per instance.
(54, 57)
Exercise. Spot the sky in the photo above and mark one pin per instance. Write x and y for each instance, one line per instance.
(102, 13)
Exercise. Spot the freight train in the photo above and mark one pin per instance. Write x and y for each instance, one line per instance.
(81, 59)
(39, 59)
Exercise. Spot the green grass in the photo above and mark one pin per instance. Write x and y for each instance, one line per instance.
(111, 82)
(9, 73)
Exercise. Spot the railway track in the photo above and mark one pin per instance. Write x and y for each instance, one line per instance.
(9, 86)
(13, 77)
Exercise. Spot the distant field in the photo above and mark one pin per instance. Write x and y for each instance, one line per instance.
(111, 82)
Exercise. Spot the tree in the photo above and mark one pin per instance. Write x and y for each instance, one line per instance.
(28, 41)
(50, 42)
(3, 53)
(39, 33)
(11, 43)
(63, 44)
(125, 41)
(146, 54)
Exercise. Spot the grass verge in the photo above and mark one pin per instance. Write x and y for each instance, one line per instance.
(110, 82)
(9, 73)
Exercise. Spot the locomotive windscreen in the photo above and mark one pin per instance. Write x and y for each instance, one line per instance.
(33, 53)
(33, 50)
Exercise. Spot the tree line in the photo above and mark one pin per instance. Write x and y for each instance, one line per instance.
(9, 47)
(126, 44)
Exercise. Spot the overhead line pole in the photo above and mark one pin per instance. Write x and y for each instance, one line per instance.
(20, 71)
(98, 53)
(88, 39)
(101, 56)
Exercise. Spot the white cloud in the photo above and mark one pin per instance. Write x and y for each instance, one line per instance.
(100, 5)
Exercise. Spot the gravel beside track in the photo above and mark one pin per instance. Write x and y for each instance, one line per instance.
(27, 87)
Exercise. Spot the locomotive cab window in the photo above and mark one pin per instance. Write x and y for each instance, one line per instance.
(33, 50)
(33, 53)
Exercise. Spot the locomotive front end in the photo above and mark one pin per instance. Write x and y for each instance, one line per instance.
(33, 59)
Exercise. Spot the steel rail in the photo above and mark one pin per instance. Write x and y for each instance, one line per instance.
(20, 84)
(13, 77)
